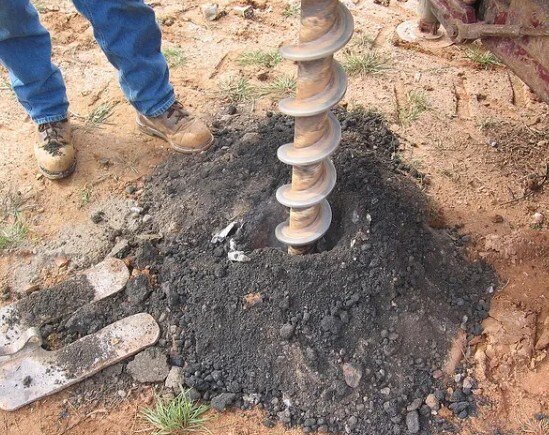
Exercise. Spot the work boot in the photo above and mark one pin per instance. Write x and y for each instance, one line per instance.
(55, 153)
(183, 132)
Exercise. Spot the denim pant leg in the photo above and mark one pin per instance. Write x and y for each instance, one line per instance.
(128, 33)
(25, 50)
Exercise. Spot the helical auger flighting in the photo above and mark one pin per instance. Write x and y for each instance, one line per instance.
(326, 27)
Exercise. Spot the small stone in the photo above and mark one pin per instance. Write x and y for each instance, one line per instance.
(415, 405)
(31, 288)
(175, 379)
(352, 374)
(468, 383)
(130, 189)
(538, 218)
(193, 395)
(147, 218)
(61, 261)
(287, 331)
(458, 407)
(437, 374)
(120, 248)
(250, 138)
(432, 402)
(210, 11)
(412, 422)
(268, 423)
(149, 366)
(231, 110)
(97, 217)
(385, 391)
(457, 396)
(224, 400)
(497, 218)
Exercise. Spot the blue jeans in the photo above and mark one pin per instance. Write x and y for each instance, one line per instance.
(125, 30)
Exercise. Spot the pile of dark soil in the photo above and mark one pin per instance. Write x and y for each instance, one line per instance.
(349, 339)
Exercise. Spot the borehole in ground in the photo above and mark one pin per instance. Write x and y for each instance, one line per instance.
(351, 339)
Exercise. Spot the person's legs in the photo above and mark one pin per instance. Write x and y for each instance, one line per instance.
(25, 50)
(127, 32)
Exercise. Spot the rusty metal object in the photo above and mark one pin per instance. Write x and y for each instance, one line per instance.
(326, 27)
(516, 31)
(428, 22)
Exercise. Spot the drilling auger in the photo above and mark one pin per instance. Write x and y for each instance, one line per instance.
(326, 27)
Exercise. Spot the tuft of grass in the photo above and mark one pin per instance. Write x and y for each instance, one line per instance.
(371, 62)
(268, 59)
(177, 415)
(363, 42)
(281, 86)
(85, 196)
(292, 9)
(175, 56)
(236, 90)
(416, 104)
(487, 123)
(11, 235)
(101, 113)
(485, 59)
(536, 426)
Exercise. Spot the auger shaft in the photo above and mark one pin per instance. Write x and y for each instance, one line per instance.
(326, 26)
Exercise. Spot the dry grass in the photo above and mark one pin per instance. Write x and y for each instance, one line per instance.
(236, 90)
(175, 56)
(416, 104)
(363, 63)
(280, 87)
(267, 59)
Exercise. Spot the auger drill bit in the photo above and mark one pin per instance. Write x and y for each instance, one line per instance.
(326, 27)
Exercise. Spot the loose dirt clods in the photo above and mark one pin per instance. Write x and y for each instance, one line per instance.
(345, 340)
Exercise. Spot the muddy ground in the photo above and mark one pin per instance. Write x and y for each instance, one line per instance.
(473, 155)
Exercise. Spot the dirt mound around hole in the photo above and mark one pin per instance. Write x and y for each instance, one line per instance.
(348, 339)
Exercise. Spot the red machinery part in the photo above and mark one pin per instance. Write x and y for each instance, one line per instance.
(517, 31)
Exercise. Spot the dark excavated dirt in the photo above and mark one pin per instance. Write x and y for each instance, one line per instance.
(341, 340)
(349, 339)
(67, 297)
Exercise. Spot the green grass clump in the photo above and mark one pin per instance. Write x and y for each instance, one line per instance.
(179, 415)
(101, 113)
(370, 62)
(281, 86)
(175, 56)
(484, 59)
(268, 59)
(236, 90)
(11, 235)
(416, 104)
(292, 9)
(363, 41)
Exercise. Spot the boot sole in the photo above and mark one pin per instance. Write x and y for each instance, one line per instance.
(153, 132)
(57, 175)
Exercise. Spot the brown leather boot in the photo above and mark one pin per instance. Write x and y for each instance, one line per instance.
(183, 132)
(55, 153)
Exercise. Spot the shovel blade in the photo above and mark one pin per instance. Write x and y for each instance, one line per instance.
(36, 373)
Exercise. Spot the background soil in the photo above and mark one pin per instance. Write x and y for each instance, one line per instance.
(475, 186)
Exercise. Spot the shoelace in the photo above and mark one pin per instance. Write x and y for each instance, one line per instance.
(53, 137)
(177, 111)
(52, 130)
